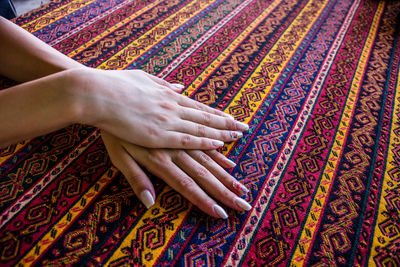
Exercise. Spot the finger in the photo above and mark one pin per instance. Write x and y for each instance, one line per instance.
(139, 182)
(211, 120)
(159, 162)
(220, 159)
(227, 163)
(212, 165)
(190, 103)
(173, 139)
(135, 176)
(184, 184)
(208, 182)
(173, 86)
(225, 122)
(200, 130)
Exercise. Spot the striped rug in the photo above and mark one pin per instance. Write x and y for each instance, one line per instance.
(316, 80)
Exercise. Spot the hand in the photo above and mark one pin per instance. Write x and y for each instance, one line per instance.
(190, 172)
(146, 110)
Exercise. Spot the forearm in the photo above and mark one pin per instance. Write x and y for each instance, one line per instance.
(37, 107)
(25, 58)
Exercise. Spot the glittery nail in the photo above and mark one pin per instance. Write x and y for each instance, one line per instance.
(240, 187)
(236, 135)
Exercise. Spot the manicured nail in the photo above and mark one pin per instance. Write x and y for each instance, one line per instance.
(147, 198)
(230, 116)
(217, 143)
(241, 203)
(220, 211)
(240, 187)
(242, 126)
(230, 163)
(178, 86)
(236, 135)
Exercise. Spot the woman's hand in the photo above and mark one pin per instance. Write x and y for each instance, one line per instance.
(190, 172)
(146, 110)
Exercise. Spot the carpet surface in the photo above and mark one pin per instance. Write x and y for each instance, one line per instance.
(316, 80)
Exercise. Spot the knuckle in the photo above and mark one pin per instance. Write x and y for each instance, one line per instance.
(201, 173)
(179, 154)
(204, 158)
(168, 105)
(201, 130)
(153, 132)
(185, 140)
(207, 118)
(152, 137)
(162, 118)
(186, 182)
(230, 124)
(158, 157)
(226, 135)
(199, 106)
(134, 179)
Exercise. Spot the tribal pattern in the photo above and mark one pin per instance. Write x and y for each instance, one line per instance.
(317, 81)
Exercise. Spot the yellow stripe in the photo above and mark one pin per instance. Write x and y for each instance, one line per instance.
(113, 28)
(337, 149)
(55, 14)
(132, 51)
(169, 232)
(14, 150)
(228, 50)
(58, 229)
(255, 102)
(156, 211)
(386, 231)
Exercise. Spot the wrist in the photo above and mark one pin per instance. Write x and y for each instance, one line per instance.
(83, 95)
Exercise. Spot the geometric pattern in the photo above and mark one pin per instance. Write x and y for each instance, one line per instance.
(318, 83)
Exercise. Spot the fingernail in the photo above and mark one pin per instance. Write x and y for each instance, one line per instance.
(240, 187)
(220, 211)
(178, 86)
(230, 116)
(242, 126)
(241, 203)
(230, 163)
(147, 198)
(217, 143)
(236, 135)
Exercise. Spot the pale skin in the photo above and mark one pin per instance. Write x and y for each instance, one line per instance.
(143, 119)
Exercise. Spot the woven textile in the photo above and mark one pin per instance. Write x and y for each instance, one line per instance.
(316, 80)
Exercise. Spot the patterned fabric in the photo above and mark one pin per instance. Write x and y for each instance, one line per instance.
(316, 80)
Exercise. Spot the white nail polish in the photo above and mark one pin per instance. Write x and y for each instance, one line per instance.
(243, 126)
(146, 198)
(230, 163)
(220, 211)
(218, 143)
(179, 86)
(230, 116)
(241, 203)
